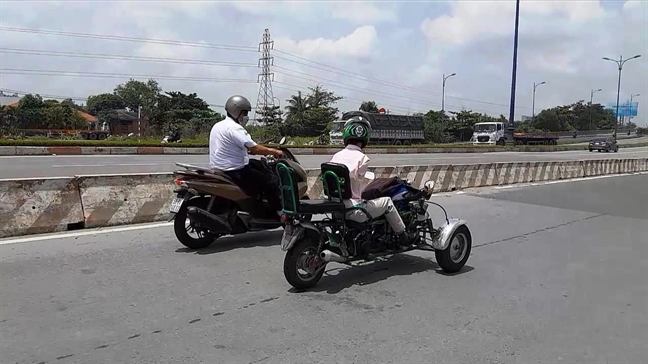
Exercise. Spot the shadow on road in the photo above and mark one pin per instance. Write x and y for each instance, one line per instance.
(398, 265)
(247, 240)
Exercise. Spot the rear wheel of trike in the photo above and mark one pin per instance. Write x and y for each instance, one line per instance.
(303, 267)
(456, 254)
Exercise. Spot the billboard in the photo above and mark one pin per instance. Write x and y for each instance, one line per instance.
(625, 109)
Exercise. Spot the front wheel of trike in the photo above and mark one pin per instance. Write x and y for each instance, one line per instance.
(456, 254)
(303, 267)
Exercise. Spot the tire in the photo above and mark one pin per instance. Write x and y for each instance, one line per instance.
(445, 257)
(591, 150)
(181, 233)
(616, 149)
(292, 259)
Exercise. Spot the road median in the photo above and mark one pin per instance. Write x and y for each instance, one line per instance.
(8, 150)
(34, 206)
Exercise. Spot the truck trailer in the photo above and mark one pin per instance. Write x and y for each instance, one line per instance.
(385, 128)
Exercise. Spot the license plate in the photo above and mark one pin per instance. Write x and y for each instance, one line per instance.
(291, 233)
(175, 204)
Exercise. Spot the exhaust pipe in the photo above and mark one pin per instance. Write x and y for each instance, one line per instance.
(216, 224)
(329, 256)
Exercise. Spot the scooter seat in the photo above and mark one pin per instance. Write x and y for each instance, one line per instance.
(320, 206)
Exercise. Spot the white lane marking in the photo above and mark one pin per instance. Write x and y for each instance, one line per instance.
(70, 234)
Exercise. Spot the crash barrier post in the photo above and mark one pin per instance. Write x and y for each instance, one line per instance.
(39, 205)
(110, 200)
(45, 205)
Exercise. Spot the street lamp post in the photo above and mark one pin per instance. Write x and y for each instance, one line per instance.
(535, 85)
(443, 95)
(619, 63)
(590, 105)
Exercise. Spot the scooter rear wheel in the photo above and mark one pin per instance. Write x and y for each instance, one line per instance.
(181, 228)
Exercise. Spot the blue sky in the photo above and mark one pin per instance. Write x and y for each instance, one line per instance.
(404, 47)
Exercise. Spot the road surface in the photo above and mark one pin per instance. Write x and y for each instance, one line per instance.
(557, 275)
(58, 166)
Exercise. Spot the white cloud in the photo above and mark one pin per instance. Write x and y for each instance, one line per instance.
(363, 13)
(357, 44)
(470, 21)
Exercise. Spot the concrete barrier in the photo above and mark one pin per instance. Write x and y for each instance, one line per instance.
(54, 204)
(180, 150)
(34, 206)
(125, 199)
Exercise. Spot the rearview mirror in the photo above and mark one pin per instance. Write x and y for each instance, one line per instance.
(282, 141)
(429, 185)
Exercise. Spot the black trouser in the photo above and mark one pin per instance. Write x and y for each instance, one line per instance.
(253, 181)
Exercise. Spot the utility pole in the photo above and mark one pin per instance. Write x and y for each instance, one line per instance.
(619, 63)
(265, 100)
(590, 105)
(511, 128)
(535, 85)
(443, 96)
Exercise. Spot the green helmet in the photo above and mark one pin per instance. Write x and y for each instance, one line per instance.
(357, 129)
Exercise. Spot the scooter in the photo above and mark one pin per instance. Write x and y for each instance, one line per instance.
(172, 137)
(209, 203)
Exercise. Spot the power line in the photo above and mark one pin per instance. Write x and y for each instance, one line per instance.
(131, 39)
(358, 76)
(358, 89)
(215, 63)
(327, 68)
(33, 52)
(18, 71)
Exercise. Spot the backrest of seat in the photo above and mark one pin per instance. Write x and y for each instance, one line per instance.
(288, 187)
(336, 181)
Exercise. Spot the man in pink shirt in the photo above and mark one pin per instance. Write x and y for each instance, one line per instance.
(356, 137)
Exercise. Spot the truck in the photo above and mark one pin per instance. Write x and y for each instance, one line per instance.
(490, 133)
(385, 128)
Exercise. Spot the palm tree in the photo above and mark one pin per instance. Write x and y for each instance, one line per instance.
(297, 107)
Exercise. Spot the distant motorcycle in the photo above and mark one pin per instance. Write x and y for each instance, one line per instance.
(172, 137)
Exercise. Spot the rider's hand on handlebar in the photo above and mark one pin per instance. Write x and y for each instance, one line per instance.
(278, 154)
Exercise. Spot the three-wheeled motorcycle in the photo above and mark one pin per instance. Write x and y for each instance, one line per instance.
(311, 245)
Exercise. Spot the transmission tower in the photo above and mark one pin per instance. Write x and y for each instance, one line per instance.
(265, 107)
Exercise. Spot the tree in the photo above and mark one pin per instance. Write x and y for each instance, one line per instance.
(63, 116)
(104, 102)
(369, 106)
(187, 112)
(312, 114)
(575, 116)
(140, 94)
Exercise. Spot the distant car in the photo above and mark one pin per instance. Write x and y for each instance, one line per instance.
(603, 144)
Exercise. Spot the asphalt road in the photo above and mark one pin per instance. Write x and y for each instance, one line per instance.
(557, 275)
(57, 166)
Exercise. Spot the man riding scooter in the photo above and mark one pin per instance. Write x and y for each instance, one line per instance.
(229, 144)
(357, 131)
